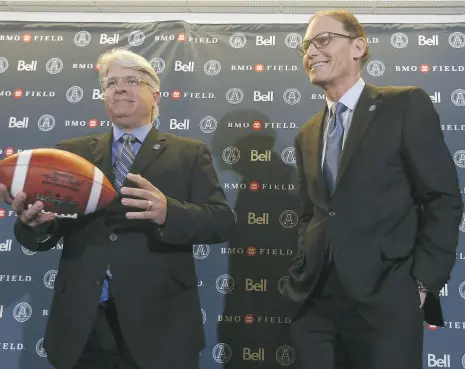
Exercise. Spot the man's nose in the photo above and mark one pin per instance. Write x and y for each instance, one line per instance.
(120, 87)
(312, 51)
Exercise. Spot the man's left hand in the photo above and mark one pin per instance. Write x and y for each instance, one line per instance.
(422, 298)
(149, 198)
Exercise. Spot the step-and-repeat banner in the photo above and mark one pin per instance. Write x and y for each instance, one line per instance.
(241, 89)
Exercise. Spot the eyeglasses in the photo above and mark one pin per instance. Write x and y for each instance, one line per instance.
(320, 41)
(108, 83)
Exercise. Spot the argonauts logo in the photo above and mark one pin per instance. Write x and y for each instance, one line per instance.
(222, 353)
(49, 279)
(225, 284)
(74, 94)
(376, 68)
(458, 97)
(22, 312)
(40, 348)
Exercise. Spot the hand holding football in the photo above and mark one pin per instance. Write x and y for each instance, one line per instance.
(54, 181)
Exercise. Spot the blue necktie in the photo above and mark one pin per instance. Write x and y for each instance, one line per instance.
(123, 162)
(121, 168)
(334, 145)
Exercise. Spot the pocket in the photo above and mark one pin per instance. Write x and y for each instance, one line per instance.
(184, 280)
(397, 250)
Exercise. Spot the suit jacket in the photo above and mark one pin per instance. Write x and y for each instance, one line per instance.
(396, 205)
(154, 277)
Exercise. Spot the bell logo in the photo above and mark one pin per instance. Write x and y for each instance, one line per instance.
(2, 213)
(182, 125)
(431, 41)
(262, 41)
(28, 67)
(181, 37)
(436, 98)
(180, 67)
(259, 68)
(255, 156)
(97, 94)
(433, 327)
(27, 37)
(266, 97)
(444, 291)
(443, 362)
(6, 246)
(255, 287)
(258, 219)
(176, 95)
(110, 40)
(249, 355)
(14, 123)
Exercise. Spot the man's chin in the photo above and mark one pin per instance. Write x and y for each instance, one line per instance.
(315, 80)
(123, 120)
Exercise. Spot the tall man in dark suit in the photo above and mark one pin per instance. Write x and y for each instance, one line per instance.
(381, 208)
(126, 291)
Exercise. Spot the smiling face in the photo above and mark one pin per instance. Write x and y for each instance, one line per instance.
(128, 98)
(332, 59)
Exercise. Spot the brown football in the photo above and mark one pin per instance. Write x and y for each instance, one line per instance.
(66, 183)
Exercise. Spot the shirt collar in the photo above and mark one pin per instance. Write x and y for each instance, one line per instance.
(140, 133)
(350, 98)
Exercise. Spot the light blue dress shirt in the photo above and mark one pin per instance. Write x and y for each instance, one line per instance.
(349, 99)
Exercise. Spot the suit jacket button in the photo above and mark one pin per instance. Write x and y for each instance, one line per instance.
(332, 213)
(113, 237)
(97, 282)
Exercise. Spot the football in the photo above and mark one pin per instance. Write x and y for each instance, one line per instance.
(67, 184)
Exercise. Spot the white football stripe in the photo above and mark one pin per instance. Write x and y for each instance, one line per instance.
(20, 174)
(95, 191)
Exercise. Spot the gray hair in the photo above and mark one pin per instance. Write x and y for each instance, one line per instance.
(128, 59)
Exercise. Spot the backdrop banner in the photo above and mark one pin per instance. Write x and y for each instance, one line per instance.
(242, 90)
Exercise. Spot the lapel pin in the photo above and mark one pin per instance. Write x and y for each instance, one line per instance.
(372, 107)
(156, 147)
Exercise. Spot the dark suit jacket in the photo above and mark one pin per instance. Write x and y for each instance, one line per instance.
(154, 278)
(396, 203)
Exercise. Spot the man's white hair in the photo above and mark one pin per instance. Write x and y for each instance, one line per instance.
(128, 59)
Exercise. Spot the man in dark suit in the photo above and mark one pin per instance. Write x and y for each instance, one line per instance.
(126, 291)
(381, 208)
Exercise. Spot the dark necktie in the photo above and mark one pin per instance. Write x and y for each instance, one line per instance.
(124, 160)
(334, 145)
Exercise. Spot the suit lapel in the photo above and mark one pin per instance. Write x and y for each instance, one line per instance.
(100, 148)
(364, 113)
(316, 153)
(151, 148)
